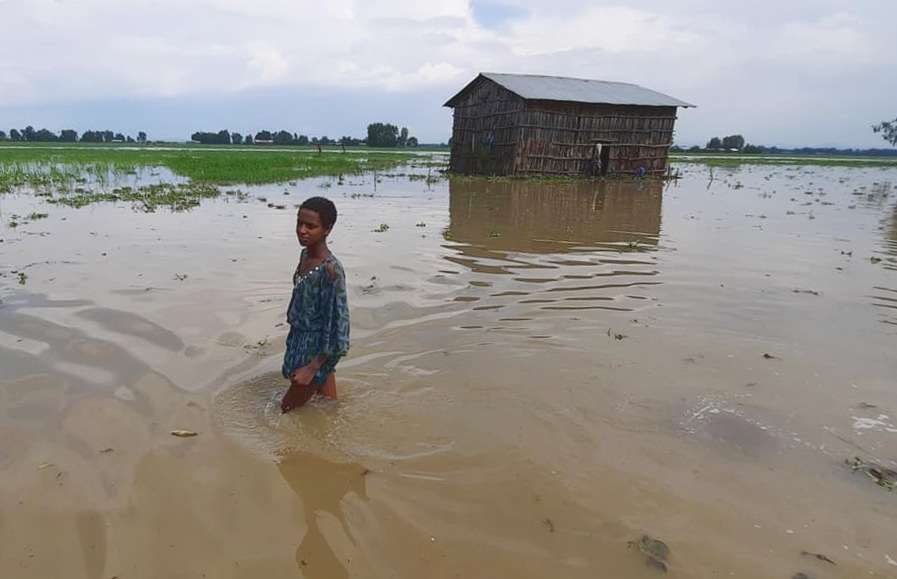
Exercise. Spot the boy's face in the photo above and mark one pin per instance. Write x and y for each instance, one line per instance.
(309, 229)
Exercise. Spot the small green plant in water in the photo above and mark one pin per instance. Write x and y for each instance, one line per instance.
(382, 228)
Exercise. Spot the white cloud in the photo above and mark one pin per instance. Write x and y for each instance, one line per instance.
(613, 29)
(777, 60)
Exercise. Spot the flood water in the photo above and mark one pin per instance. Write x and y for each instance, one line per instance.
(540, 374)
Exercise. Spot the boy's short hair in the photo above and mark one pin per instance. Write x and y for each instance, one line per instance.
(323, 207)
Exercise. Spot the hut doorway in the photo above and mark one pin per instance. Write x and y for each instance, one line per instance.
(604, 158)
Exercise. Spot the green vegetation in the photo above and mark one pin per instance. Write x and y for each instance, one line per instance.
(79, 175)
(60, 167)
(147, 198)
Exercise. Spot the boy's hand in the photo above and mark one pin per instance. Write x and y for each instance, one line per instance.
(303, 376)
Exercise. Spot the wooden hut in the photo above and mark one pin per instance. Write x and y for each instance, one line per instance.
(517, 124)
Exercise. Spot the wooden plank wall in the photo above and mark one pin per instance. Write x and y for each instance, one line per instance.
(495, 132)
(484, 132)
(558, 138)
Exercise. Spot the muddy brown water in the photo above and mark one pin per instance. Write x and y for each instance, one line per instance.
(539, 374)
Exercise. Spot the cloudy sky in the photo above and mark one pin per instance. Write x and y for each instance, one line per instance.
(784, 72)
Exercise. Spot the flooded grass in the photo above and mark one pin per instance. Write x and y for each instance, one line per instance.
(56, 166)
(147, 198)
(77, 176)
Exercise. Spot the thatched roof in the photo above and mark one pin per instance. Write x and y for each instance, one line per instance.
(577, 90)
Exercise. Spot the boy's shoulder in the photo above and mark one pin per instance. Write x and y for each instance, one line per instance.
(334, 268)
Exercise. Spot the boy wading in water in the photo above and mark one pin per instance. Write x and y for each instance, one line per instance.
(318, 313)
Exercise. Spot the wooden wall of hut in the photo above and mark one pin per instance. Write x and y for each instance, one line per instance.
(559, 138)
(485, 133)
(554, 217)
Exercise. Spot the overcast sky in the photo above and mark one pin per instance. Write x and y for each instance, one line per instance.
(784, 72)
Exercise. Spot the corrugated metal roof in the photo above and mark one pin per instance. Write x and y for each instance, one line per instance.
(557, 88)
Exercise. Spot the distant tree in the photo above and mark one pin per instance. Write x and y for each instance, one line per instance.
(130, 139)
(714, 144)
(264, 136)
(28, 133)
(412, 142)
(44, 136)
(141, 137)
(247, 140)
(403, 137)
(694, 149)
(283, 138)
(236, 138)
(325, 140)
(223, 137)
(753, 149)
(733, 142)
(15, 135)
(302, 140)
(888, 131)
(3, 135)
(68, 136)
(118, 137)
(382, 135)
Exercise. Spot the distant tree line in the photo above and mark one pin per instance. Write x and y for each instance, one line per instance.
(225, 137)
(28, 134)
(378, 135)
(735, 143)
(831, 151)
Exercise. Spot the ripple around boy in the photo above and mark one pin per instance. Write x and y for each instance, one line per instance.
(318, 313)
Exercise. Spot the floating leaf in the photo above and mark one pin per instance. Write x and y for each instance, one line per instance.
(653, 547)
(184, 433)
(44, 465)
(819, 556)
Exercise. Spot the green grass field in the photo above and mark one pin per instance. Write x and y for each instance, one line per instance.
(41, 165)
(81, 174)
